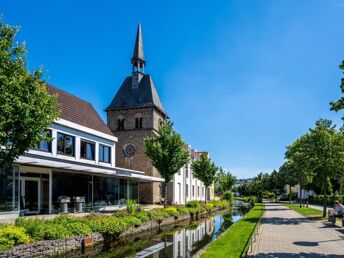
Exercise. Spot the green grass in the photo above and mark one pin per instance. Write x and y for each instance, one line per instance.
(234, 241)
(304, 211)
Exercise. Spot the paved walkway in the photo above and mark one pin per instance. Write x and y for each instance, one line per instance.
(285, 233)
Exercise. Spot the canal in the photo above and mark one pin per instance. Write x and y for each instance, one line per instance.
(181, 240)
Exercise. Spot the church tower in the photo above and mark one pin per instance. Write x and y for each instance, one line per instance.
(135, 113)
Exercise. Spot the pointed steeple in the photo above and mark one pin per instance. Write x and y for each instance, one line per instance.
(138, 59)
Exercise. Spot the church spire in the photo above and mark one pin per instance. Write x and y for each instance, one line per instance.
(138, 60)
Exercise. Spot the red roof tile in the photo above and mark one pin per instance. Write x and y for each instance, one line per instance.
(78, 111)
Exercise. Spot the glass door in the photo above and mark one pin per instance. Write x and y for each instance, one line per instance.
(30, 195)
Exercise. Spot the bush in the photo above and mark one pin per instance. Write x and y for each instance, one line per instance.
(52, 231)
(223, 204)
(172, 211)
(183, 210)
(142, 216)
(11, 236)
(193, 204)
(158, 215)
(131, 206)
(229, 196)
(78, 229)
(208, 206)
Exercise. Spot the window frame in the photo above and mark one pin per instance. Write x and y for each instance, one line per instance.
(64, 147)
(94, 149)
(103, 146)
(49, 143)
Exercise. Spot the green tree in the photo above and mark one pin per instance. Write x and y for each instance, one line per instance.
(167, 152)
(204, 170)
(297, 163)
(287, 177)
(26, 107)
(224, 180)
(325, 147)
(339, 104)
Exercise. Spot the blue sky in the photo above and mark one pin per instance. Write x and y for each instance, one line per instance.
(241, 79)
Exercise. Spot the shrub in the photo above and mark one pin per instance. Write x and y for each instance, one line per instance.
(52, 231)
(34, 227)
(229, 196)
(131, 206)
(208, 206)
(172, 211)
(142, 216)
(193, 204)
(78, 229)
(158, 215)
(222, 204)
(183, 210)
(13, 235)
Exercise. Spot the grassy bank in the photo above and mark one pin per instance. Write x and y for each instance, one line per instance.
(305, 211)
(64, 226)
(234, 241)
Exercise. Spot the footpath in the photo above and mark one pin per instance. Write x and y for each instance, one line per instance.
(285, 233)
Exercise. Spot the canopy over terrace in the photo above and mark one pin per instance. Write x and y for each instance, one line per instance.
(52, 177)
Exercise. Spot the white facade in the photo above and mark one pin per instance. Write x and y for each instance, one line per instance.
(185, 187)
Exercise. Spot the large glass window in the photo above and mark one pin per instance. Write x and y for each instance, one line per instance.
(45, 145)
(133, 190)
(87, 150)
(71, 185)
(104, 153)
(65, 144)
(105, 191)
(9, 189)
(123, 190)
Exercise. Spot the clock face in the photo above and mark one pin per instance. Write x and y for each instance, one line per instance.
(129, 150)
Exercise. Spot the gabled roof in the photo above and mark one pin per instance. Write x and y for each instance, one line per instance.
(145, 95)
(78, 111)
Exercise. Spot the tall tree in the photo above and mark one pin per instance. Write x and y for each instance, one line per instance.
(167, 152)
(287, 177)
(204, 170)
(339, 104)
(297, 163)
(224, 180)
(325, 147)
(26, 106)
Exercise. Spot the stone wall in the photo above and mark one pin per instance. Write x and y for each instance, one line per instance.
(49, 247)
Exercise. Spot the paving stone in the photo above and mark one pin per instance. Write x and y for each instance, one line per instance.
(285, 233)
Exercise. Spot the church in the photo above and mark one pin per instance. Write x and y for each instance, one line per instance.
(135, 113)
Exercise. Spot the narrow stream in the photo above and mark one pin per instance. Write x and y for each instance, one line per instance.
(182, 240)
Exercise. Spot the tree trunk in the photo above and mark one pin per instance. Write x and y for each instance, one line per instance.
(325, 199)
(206, 194)
(289, 194)
(165, 195)
(300, 196)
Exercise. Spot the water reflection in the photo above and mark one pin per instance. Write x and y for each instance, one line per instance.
(182, 241)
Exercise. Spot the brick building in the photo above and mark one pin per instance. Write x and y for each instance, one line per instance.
(135, 113)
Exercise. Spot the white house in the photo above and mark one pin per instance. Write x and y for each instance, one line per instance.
(185, 187)
(79, 161)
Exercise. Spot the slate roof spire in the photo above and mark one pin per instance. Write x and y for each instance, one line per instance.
(138, 59)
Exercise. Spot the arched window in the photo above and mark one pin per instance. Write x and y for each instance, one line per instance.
(120, 122)
(138, 121)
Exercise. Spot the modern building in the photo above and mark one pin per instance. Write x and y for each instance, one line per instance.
(135, 113)
(185, 187)
(79, 161)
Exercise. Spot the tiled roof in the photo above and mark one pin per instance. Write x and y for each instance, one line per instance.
(145, 95)
(78, 111)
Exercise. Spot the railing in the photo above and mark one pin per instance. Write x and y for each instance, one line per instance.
(248, 251)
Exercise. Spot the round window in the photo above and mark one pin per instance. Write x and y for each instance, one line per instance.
(129, 150)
